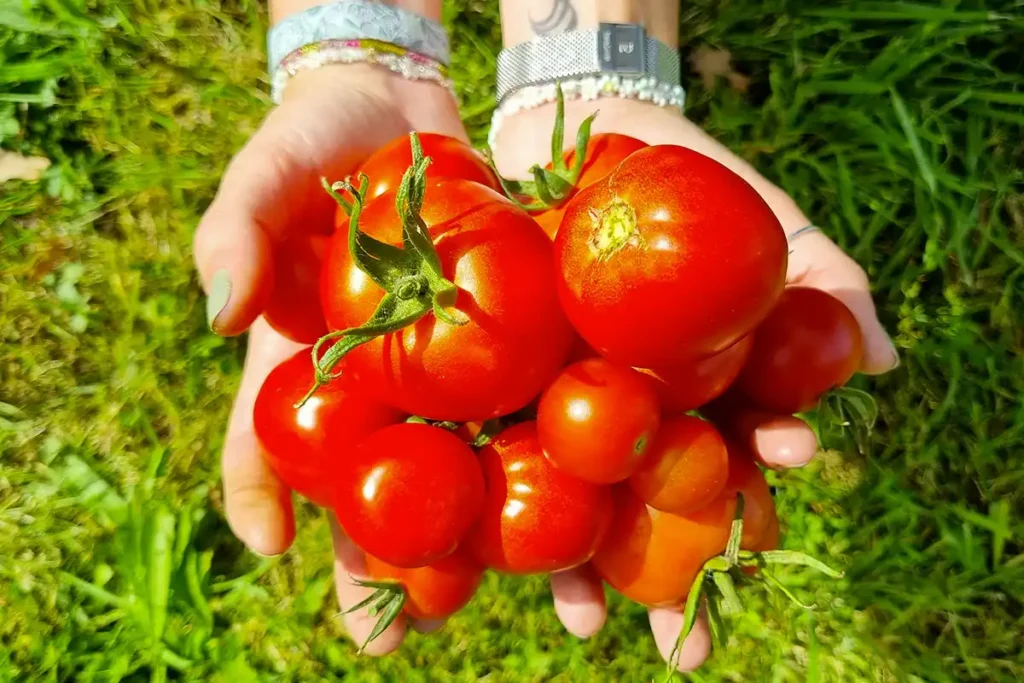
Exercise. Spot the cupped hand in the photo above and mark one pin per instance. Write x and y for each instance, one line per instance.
(780, 441)
(330, 120)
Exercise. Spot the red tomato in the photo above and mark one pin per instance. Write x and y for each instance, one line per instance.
(686, 387)
(670, 258)
(306, 446)
(517, 337)
(536, 518)
(409, 493)
(808, 345)
(686, 469)
(437, 590)
(758, 507)
(604, 152)
(652, 557)
(294, 305)
(450, 159)
(597, 420)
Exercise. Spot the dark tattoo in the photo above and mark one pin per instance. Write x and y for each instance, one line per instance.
(562, 18)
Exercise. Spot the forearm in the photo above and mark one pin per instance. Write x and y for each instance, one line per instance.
(279, 9)
(521, 20)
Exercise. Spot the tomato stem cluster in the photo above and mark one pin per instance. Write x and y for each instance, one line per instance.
(385, 603)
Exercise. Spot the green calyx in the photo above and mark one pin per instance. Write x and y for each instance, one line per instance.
(410, 274)
(550, 188)
(385, 603)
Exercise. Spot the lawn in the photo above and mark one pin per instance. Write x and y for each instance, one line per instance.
(898, 126)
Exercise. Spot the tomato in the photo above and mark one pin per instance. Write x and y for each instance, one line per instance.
(670, 258)
(306, 446)
(409, 493)
(450, 158)
(808, 345)
(536, 518)
(294, 305)
(685, 387)
(604, 152)
(437, 590)
(747, 478)
(652, 557)
(597, 420)
(517, 337)
(686, 469)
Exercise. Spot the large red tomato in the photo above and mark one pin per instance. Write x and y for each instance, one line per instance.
(686, 468)
(597, 420)
(652, 557)
(536, 518)
(437, 590)
(690, 385)
(604, 152)
(809, 344)
(294, 305)
(306, 446)
(409, 493)
(517, 337)
(671, 257)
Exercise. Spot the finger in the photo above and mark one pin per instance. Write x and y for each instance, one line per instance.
(666, 625)
(258, 505)
(579, 600)
(349, 564)
(778, 441)
(426, 625)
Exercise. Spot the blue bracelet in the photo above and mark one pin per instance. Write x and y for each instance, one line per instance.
(357, 19)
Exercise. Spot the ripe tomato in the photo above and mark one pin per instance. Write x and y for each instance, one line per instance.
(809, 344)
(758, 506)
(437, 590)
(597, 420)
(686, 469)
(294, 305)
(516, 339)
(450, 159)
(306, 446)
(685, 387)
(652, 557)
(536, 518)
(671, 257)
(408, 494)
(604, 152)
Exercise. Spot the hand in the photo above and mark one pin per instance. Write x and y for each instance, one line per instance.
(331, 119)
(815, 261)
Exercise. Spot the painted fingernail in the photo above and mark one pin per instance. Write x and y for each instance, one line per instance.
(220, 292)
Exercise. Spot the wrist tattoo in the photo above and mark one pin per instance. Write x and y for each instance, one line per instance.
(560, 19)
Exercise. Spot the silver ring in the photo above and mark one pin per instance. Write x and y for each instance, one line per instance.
(802, 231)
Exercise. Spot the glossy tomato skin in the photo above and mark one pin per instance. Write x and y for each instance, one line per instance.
(517, 337)
(670, 258)
(604, 152)
(437, 590)
(293, 308)
(686, 468)
(536, 518)
(747, 478)
(808, 345)
(690, 385)
(652, 557)
(306, 446)
(409, 493)
(596, 420)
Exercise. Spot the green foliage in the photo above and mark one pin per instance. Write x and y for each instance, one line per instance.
(897, 125)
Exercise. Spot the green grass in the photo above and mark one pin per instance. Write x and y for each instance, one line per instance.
(897, 126)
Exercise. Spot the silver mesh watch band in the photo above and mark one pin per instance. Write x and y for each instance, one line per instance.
(612, 49)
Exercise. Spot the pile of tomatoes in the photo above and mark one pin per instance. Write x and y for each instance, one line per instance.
(521, 391)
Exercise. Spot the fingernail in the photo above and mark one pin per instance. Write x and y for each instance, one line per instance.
(220, 292)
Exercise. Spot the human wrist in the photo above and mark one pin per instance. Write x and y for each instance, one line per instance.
(281, 9)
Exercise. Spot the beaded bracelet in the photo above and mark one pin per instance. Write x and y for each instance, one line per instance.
(410, 65)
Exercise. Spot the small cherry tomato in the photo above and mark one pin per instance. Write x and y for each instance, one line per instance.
(294, 305)
(597, 420)
(409, 493)
(808, 345)
(686, 387)
(686, 469)
(747, 478)
(652, 557)
(536, 518)
(306, 446)
(437, 590)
